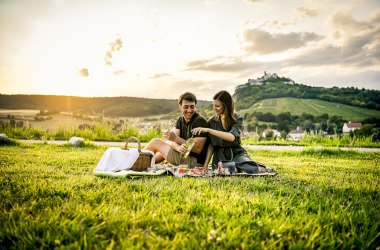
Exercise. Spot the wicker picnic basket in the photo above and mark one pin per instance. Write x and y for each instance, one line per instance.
(143, 162)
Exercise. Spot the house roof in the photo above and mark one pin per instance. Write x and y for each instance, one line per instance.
(354, 124)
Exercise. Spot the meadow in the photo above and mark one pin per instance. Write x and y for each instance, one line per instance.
(63, 126)
(311, 106)
(321, 198)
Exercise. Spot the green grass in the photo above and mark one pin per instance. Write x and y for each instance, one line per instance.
(320, 199)
(315, 140)
(100, 132)
(311, 106)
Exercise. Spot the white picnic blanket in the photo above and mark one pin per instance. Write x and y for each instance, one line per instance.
(117, 159)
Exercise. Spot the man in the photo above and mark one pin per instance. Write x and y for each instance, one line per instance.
(172, 148)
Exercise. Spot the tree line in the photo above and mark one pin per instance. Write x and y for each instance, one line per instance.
(108, 106)
(287, 122)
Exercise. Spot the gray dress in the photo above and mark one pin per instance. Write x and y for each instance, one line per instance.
(225, 150)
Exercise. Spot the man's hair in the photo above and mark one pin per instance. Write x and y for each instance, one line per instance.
(190, 97)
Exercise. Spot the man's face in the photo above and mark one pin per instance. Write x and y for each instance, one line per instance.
(187, 109)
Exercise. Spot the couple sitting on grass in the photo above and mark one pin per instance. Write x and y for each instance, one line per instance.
(219, 137)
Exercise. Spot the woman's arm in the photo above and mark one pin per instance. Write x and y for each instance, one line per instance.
(227, 136)
(210, 151)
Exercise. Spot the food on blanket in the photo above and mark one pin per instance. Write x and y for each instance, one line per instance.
(182, 170)
(198, 171)
(222, 170)
(201, 172)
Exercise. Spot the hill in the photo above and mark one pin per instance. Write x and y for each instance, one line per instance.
(260, 95)
(109, 106)
(310, 106)
(273, 86)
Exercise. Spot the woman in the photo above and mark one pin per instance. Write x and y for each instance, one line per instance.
(225, 130)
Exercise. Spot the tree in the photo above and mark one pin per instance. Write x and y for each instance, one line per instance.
(283, 116)
(308, 125)
(365, 131)
(250, 127)
(323, 117)
(284, 135)
(284, 125)
(12, 123)
(376, 135)
(306, 116)
(268, 134)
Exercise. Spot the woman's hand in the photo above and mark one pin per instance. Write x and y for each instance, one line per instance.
(199, 130)
(205, 170)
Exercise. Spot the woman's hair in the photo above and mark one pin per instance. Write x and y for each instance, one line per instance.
(229, 110)
(190, 97)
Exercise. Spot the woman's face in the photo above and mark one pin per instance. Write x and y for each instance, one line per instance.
(218, 107)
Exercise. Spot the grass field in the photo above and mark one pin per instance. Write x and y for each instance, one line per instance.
(59, 120)
(320, 199)
(311, 106)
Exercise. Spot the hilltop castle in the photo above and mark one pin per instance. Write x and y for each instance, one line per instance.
(266, 77)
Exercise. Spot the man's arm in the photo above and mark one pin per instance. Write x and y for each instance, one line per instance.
(177, 138)
(178, 141)
(199, 144)
(201, 140)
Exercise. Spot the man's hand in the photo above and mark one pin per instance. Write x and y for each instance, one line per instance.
(182, 148)
(170, 135)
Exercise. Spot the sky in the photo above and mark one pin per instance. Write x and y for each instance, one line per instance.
(162, 48)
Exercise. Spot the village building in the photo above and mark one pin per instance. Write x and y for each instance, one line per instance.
(261, 80)
(270, 133)
(145, 126)
(351, 126)
(296, 134)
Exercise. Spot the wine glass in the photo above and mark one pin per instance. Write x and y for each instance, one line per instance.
(166, 126)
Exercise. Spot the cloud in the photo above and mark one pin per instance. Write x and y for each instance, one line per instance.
(358, 51)
(113, 47)
(344, 22)
(160, 75)
(252, 1)
(359, 44)
(180, 86)
(119, 72)
(374, 17)
(362, 79)
(83, 72)
(279, 24)
(301, 12)
(262, 42)
(183, 85)
(305, 12)
(220, 64)
(204, 90)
